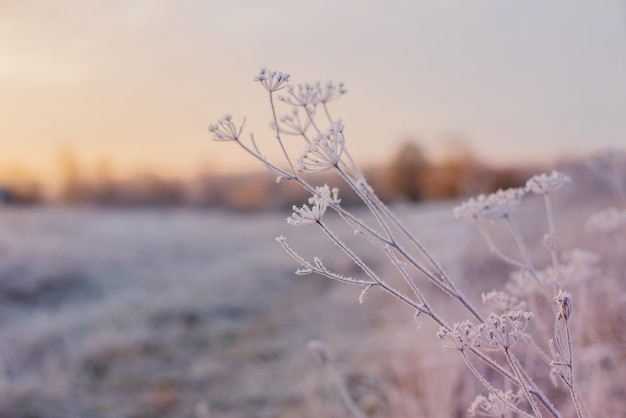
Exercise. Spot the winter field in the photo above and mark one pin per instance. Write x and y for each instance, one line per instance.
(198, 313)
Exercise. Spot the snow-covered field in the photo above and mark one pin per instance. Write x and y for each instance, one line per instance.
(194, 313)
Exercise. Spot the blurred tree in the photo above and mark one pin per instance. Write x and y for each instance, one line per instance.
(72, 183)
(407, 169)
(19, 186)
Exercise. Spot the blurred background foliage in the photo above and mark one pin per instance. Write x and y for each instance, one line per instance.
(410, 175)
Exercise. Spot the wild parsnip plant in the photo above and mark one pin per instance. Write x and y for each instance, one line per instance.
(532, 315)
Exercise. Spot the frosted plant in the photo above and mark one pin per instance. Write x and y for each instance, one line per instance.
(493, 341)
(610, 167)
(493, 406)
(608, 220)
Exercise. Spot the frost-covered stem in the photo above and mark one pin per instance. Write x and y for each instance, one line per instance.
(532, 344)
(257, 154)
(330, 119)
(344, 395)
(552, 240)
(490, 387)
(443, 277)
(424, 308)
(516, 366)
(311, 119)
(375, 206)
(517, 236)
(427, 309)
(277, 130)
(366, 269)
(581, 409)
(344, 213)
(410, 236)
(534, 390)
(493, 249)
(337, 381)
(370, 205)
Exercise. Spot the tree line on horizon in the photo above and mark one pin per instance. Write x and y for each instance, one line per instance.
(408, 176)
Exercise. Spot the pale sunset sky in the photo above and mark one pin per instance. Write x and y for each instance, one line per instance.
(137, 82)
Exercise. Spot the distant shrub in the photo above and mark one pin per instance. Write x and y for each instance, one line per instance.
(406, 171)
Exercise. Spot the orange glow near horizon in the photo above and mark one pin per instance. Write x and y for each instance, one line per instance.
(134, 85)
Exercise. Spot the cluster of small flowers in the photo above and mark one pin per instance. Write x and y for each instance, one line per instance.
(609, 220)
(496, 205)
(546, 183)
(310, 95)
(578, 266)
(524, 283)
(610, 166)
(225, 129)
(503, 301)
(292, 124)
(504, 330)
(493, 406)
(503, 202)
(319, 202)
(324, 151)
(330, 92)
(463, 335)
(271, 80)
(498, 332)
(521, 283)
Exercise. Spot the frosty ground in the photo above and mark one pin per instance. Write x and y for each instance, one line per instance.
(198, 313)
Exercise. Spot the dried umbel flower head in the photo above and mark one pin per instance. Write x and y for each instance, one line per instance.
(503, 331)
(271, 80)
(496, 205)
(545, 183)
(306, 214)
(564, 304)
(608, 220)
(493, 405)
(292, 124)
(305, 95)
(324, 151)
(578, 266)
(462, 336)
(503, 301)
(330, 92)
(225, 129)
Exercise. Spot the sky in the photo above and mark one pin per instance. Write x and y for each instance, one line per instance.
(133, 84)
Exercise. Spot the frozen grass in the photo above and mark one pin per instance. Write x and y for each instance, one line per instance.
(174, 312)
